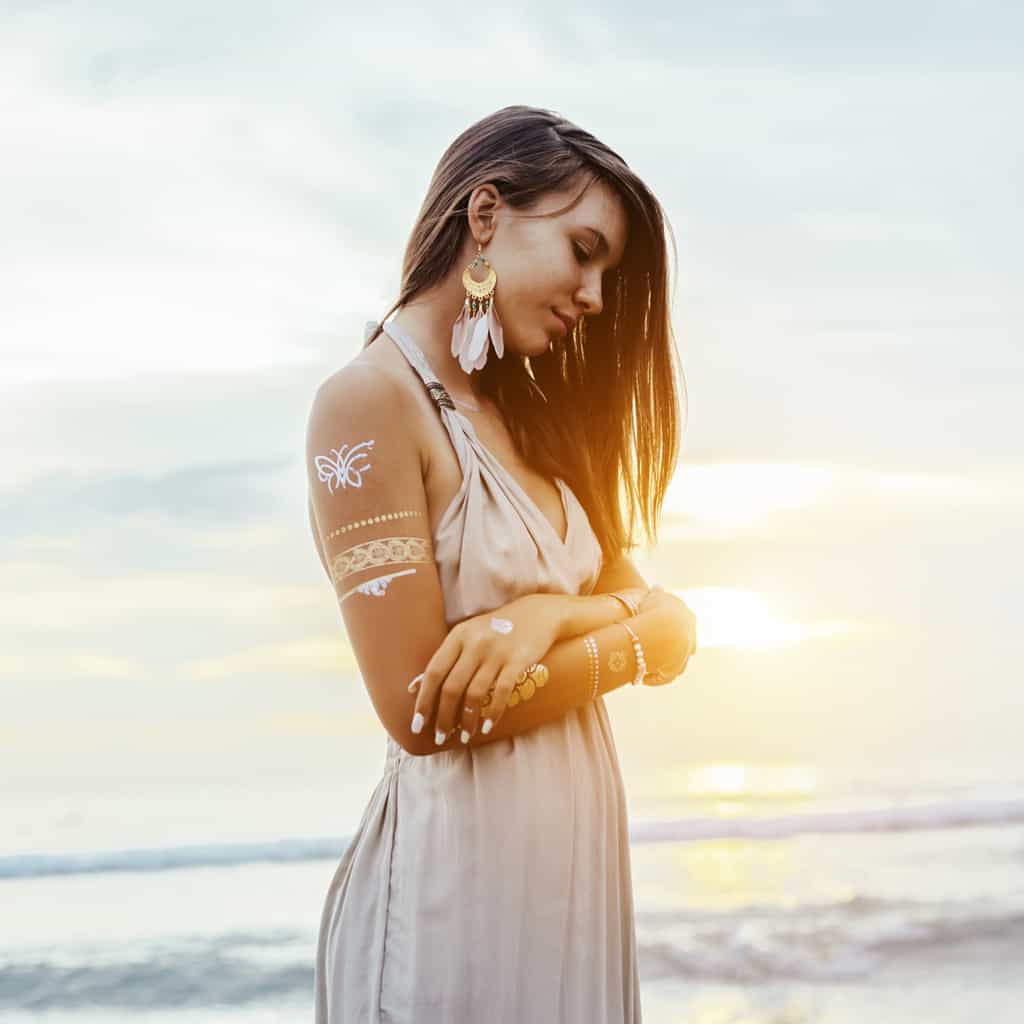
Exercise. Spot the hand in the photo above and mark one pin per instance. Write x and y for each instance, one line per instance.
(657, 597)
(484, 654)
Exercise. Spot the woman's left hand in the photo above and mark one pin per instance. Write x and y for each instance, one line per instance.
(658, 597)
(483, 653)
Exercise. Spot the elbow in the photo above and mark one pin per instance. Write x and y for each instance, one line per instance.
(412, 744)
(395, 713)
(417, 748)
(416, 745)
(677, 631)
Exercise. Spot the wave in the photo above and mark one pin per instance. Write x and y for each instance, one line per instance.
(847, 941)
(188, 973)
(946, 815)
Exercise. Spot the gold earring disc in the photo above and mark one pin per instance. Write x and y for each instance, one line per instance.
(479, 289)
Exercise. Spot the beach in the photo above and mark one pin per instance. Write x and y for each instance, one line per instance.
(869, 902)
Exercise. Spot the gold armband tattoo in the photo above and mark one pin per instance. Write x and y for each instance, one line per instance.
(383, 551)
(384, 517)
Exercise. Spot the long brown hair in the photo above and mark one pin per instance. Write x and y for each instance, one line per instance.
(611, 423)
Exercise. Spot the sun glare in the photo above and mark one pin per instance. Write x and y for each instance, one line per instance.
(745, 619)
(736, 779)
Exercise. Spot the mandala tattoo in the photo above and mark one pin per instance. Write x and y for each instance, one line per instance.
(616, 661)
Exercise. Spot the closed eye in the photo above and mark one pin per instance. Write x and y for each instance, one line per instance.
(581, 252)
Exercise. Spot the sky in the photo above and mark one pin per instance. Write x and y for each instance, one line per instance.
(202, 206)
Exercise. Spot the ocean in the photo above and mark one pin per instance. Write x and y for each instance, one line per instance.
(862, 899)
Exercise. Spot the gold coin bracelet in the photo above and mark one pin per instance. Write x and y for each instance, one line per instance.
(383, 518)
(641, 662)
(595, 663)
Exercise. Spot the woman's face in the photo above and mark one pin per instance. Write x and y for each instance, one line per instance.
(553, 263)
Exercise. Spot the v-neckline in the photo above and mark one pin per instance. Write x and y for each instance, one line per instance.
(559, 483)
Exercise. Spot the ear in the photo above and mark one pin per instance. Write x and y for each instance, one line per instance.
(484, 203)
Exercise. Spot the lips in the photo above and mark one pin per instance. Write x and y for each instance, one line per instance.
(564, 321)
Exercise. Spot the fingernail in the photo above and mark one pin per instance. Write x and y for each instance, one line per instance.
(417, 722)
(488, 725)
(416, 682)
(464, 736)
(438, 737)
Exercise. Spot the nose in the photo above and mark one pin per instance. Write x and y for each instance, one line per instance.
(589, 297)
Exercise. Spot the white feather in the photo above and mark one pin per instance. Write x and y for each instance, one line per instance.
(479, 340)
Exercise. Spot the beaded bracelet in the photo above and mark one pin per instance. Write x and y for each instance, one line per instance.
(641, 661)
(595, 663)
(629, 604)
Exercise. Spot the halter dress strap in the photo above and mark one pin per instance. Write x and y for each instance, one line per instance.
(459, 428)
(473, 455)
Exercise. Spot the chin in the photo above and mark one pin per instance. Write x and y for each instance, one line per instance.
(544, 341)
(534, 344)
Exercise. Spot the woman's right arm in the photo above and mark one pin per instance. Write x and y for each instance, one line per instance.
(369, 510)
(369, 506)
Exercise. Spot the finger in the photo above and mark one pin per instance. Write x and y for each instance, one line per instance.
(430, 682)
(494, 708)
(449, 700)
(479, 690)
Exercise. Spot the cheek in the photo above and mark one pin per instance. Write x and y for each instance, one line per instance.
(541, 281)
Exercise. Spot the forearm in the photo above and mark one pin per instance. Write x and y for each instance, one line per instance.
(570, 673)
(584, 613)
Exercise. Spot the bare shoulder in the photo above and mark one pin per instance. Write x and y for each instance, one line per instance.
(370, 388)
(379, 366)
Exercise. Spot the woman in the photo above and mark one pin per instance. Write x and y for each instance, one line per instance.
(464, 480)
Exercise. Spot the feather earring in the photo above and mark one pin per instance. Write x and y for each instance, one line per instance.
(477, 324)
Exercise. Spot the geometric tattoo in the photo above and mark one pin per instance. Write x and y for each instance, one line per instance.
(342, 469)
(384, 551)
(377, 586)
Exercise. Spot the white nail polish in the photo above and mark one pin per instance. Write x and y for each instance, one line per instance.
(417, 722)
(438, 737)
(464, 736)
(488, 725)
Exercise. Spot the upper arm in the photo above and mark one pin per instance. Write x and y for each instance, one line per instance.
(617, 575)
(369, 510)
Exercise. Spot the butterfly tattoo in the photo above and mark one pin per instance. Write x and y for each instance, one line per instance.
(346, 468)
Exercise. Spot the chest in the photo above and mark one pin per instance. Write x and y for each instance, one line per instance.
(443, 475)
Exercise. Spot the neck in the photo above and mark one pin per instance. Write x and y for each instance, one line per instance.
(429, 324)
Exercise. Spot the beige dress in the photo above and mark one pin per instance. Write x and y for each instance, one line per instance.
(490, 884)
